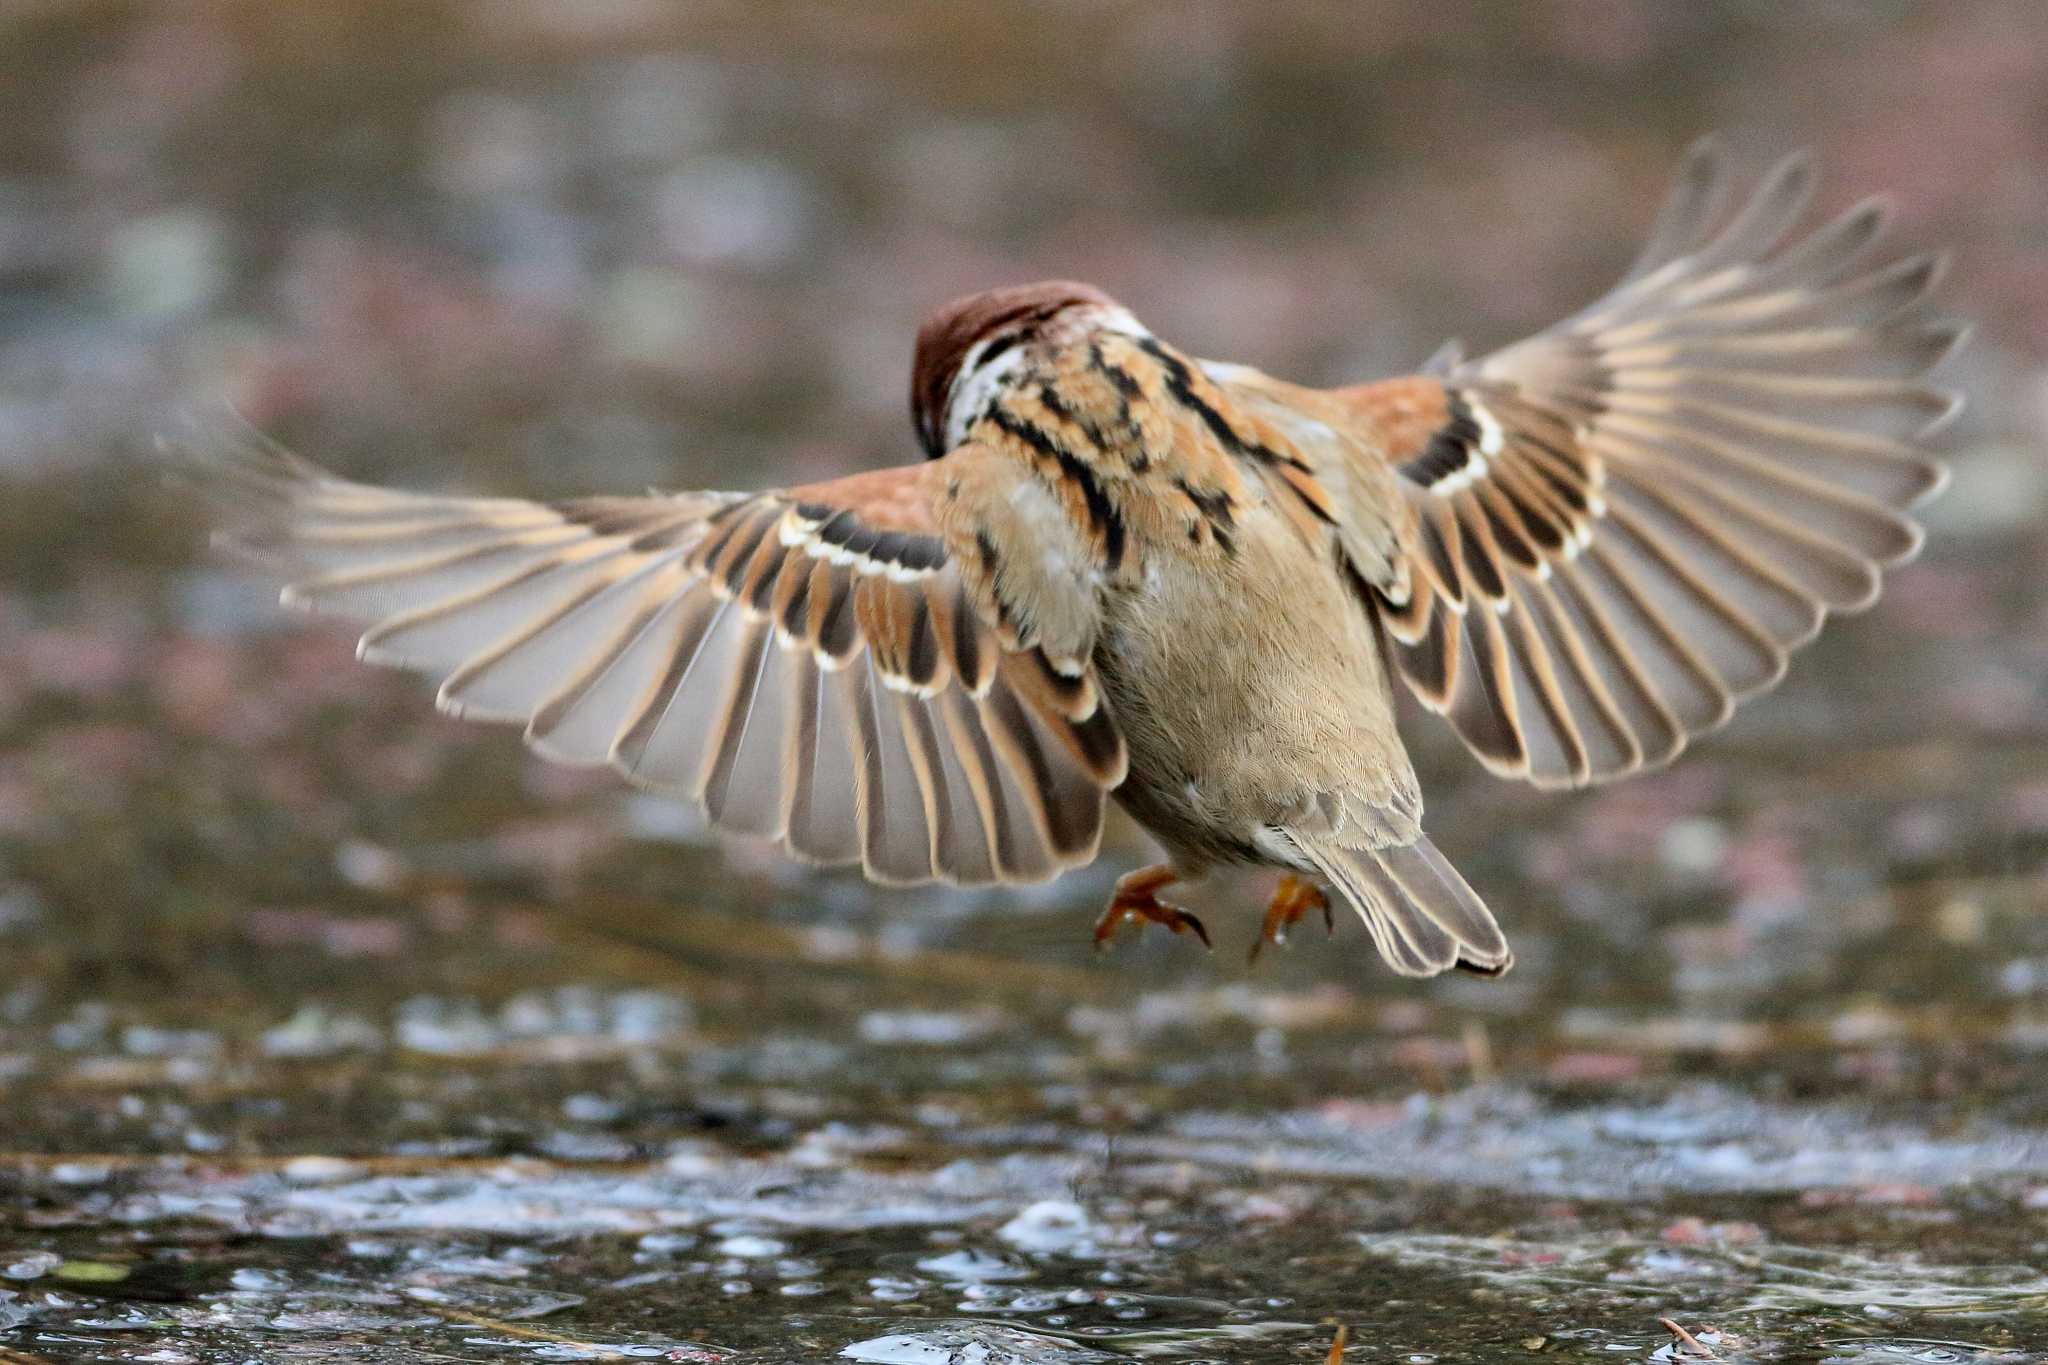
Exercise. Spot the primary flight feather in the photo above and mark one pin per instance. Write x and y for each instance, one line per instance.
(1125, 573)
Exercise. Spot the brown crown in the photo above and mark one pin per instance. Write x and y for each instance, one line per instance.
(948, 334)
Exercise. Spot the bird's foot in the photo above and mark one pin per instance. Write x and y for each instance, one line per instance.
(1137, 897)
(1293, 898)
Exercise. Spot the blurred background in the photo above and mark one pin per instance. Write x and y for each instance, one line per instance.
(333, 1029)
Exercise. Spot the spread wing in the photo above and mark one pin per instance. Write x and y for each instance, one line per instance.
(1624, 525)
(809, 664)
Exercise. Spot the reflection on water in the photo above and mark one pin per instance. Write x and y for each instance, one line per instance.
(331, 1030)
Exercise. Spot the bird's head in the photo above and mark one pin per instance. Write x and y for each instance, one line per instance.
(965, 349)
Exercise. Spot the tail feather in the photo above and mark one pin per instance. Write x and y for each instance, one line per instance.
(1422, 916)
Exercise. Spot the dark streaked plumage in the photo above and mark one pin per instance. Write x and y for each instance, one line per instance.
(996, 320)
(1123, 571)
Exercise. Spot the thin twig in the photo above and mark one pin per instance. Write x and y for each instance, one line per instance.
(514, 1329)
(657, 937)
(1690, 1341)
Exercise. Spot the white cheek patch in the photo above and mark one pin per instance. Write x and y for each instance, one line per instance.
(976, 386)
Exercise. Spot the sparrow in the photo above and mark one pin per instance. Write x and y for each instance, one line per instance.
(1124, 573)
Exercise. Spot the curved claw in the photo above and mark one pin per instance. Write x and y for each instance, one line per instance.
(1137, 897)
(1293, 898)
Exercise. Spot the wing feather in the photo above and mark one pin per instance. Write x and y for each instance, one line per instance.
(811, 666)
(1619, 528)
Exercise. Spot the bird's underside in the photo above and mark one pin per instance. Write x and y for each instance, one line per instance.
(1127, 573)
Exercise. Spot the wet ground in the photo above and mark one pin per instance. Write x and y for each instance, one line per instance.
(305, 1059)
(330, 1030)
(615, 1128)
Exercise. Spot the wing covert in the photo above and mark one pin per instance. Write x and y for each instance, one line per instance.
(1621, 527)
(809, 665)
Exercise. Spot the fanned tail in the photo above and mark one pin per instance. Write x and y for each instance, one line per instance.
(1422, 915)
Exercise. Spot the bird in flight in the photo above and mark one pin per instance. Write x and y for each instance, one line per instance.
(1123, 573)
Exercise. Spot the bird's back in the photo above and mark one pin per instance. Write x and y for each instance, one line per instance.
(1243, 665)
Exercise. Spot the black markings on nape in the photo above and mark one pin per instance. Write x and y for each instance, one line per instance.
(1049, 395)
(1030, 433)
(1102, 513)
(1007, 341)
(1180, 382)
(1450, 446)
(1122, 380)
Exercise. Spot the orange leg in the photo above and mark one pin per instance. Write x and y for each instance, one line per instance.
(1293, 898)
(1137, 897)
